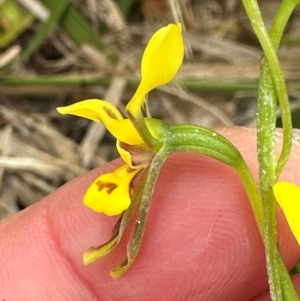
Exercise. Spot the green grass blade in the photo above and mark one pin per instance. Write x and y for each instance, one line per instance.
(45, 29)
(78, 28)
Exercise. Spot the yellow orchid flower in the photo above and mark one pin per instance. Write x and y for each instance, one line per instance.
(288, 197)
(144, 144)
(111, 193)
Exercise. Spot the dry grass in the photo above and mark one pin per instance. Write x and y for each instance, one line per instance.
(41, 150)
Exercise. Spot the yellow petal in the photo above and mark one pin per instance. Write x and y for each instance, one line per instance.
(110, 193)
(93, 109)
(102, 111)
(162, 57)
(161, 60)
(288, 197)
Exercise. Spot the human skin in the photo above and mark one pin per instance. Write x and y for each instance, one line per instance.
(201, 241)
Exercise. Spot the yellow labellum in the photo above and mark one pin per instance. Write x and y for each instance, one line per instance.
(288, 197)
(103, 111)
(110, 193)
(161, 60)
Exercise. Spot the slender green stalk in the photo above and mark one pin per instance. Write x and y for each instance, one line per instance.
(271, 86)
(273, 73)
(196, 139)
(134, 244)
(280, 21)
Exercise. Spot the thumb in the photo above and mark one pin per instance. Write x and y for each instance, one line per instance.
(201, 241)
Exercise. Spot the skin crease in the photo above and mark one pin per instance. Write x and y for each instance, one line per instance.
(200, 243)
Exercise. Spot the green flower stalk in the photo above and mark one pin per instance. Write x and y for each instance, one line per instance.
(272, 91)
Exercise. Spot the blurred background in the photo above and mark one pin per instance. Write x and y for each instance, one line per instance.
(57, 52)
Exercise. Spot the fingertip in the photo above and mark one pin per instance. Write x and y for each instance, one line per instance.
(200, 239)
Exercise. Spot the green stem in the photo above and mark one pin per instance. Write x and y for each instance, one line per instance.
(134, 244)
(271, 86)
(280, 21)
(273, 75)
(196, 139)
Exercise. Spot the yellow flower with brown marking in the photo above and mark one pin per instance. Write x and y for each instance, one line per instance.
(144, 143)
(138, 138)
